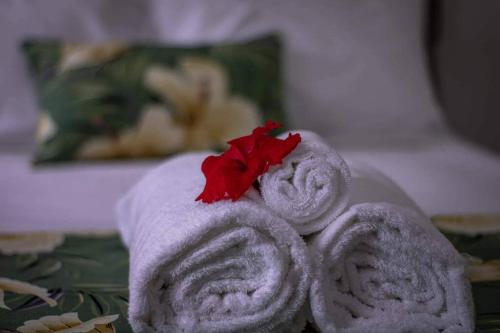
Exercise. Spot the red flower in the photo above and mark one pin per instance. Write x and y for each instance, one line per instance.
(230, 175)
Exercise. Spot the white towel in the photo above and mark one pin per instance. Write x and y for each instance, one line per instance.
(222, 267)
(310, 188)
(384, 268)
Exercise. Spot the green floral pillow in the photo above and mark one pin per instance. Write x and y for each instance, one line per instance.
(113, 100)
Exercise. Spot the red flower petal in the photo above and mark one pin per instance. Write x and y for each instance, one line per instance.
(231, 174)
(248, 143)
(274, 150)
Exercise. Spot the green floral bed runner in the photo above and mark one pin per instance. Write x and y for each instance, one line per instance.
(82, 279)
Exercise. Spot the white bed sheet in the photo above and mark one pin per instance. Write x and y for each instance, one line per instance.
(445, 176)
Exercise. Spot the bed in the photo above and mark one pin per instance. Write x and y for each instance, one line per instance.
(444, 175)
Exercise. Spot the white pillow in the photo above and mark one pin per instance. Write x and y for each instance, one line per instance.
(354, 70)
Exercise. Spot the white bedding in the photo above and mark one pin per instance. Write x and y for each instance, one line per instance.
(444, 176)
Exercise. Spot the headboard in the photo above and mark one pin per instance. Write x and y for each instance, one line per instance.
(464, 56)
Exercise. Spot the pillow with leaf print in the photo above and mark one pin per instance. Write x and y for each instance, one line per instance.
(113, 100)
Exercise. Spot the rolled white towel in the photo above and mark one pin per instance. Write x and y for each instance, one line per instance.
(221, 267)
(383, 267)
(310, 188)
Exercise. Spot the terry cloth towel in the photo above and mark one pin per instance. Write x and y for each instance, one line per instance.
(382, 267)
(310, 188)
(221, 267)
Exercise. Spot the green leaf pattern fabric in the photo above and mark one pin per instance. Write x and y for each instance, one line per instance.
(116, 100)
(86, 275)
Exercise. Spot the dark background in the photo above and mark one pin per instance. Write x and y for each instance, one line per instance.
(464, 54)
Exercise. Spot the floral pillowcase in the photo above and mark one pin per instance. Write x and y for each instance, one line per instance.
(113, 100)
